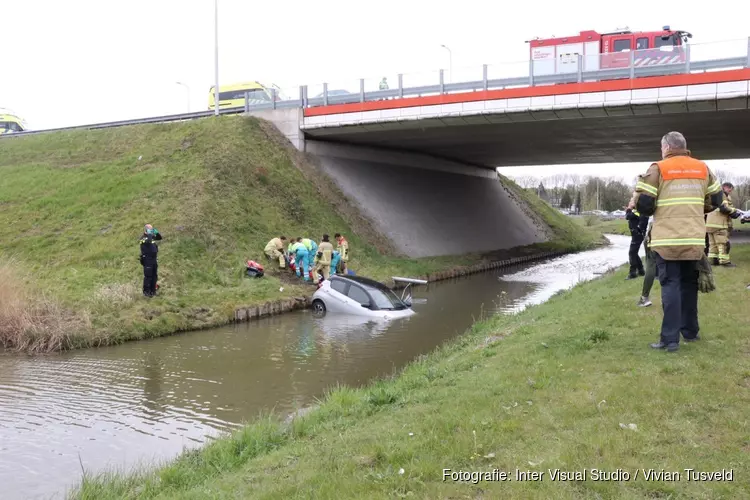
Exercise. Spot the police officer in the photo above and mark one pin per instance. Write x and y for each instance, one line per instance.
(149, 251)
(677, 191)
(637, 224)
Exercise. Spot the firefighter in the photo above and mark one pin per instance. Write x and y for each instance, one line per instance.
(323, 259)
(718, 225)
(676, 191)
(300, 253)
(275, 251)
(149, 251)
(342, 246)
(383, 84)
(637, 224)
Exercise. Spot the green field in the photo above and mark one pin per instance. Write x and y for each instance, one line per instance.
(73, 205)
(569, 385)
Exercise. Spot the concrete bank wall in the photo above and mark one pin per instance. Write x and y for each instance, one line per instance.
(427, 206)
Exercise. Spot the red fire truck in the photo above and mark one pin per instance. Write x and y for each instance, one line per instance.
(608, 50)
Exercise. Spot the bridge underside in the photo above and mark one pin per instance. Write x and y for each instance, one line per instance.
(515, 142)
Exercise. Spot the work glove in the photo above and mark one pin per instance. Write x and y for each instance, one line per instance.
(737, 214)
(706, 282)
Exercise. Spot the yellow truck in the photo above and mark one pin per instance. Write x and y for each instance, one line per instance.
(11, 123)
(233, 95)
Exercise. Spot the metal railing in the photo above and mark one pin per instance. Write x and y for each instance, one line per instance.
(691, 58)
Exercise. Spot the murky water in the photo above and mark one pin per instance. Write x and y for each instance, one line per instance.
(145, 401)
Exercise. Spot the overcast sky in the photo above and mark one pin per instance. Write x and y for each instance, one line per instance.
(67, 62)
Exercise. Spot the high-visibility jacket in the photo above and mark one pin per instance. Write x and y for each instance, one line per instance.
(296, 247)
(678, 191)
(309, 244)
(274, 244)
(325, 250)
(720, 219)
(343, 249)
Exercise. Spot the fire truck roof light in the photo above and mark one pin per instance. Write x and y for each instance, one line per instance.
(666, 28)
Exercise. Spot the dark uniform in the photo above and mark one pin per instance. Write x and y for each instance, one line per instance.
(149, 251)
(637, 224)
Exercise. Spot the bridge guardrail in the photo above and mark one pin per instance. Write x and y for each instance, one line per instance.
(638, 65)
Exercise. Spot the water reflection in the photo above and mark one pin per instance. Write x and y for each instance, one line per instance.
(148, 400)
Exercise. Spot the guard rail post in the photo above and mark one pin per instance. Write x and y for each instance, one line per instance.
(361, 90)
(301, 96)
(400, 86)
(687, 58)
(748, 52)
(304, 96)
(442, 83)
(580, 67)
(273, 98)
(531, 72)
(325, 94)
(485, 85)
(247, 102)
(631, 55)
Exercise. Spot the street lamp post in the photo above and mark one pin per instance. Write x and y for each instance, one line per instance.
(188, 94)
(216, 57)
(450, 62)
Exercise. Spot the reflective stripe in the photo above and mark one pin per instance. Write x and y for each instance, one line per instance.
(679, 242)
(717, 226)
(636, 213)
(713, 188)
(647, 187)
(679, 201)
(713, 255)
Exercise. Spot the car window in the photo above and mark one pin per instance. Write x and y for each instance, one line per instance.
(339, 286)
(358, 294)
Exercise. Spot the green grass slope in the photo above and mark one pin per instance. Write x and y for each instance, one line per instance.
(570, 384)
(73, 205)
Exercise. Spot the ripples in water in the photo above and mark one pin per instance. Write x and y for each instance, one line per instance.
(146, 401)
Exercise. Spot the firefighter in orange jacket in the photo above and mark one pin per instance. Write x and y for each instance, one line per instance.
(718, 225)
(677, 191)
(342, 248)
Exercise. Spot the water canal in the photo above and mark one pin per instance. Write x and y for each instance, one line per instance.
(143, 402)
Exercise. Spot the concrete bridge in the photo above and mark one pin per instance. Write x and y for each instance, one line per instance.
(423, 167)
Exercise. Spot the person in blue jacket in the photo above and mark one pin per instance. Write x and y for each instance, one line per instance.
(301, 256)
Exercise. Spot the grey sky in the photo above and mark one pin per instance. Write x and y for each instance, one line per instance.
(82, 61)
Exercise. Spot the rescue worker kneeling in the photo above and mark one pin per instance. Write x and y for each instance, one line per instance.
(718, 225)
(323, 259)
(275, 251)
(301, 257)
(312, 250)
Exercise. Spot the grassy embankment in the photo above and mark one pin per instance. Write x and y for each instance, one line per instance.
(73, 205)
(555, 387)
(594, 223)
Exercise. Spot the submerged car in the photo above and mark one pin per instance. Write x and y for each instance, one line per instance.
(360, 296)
